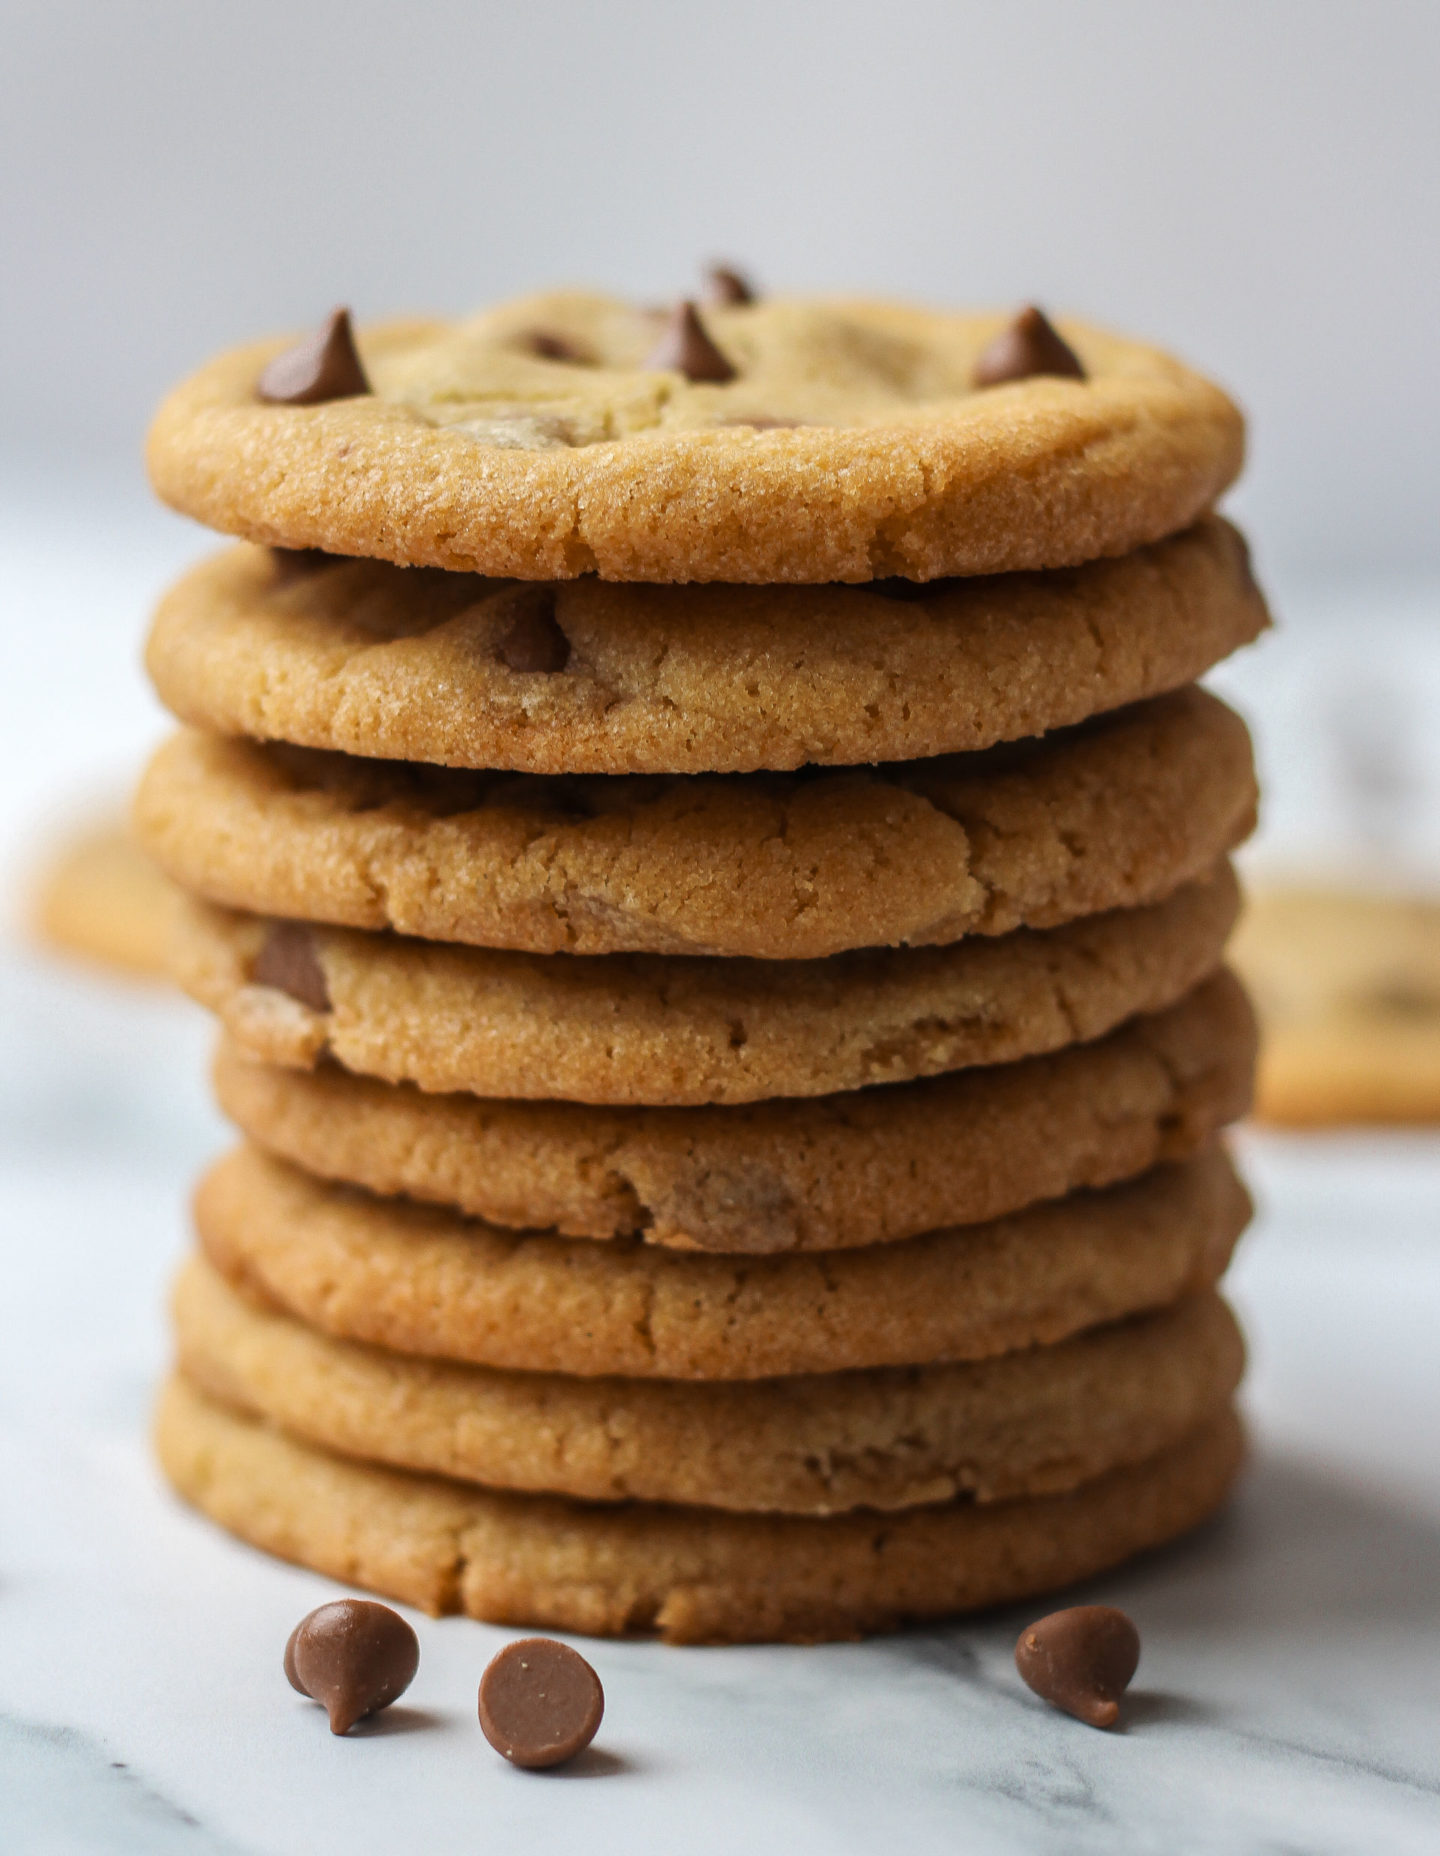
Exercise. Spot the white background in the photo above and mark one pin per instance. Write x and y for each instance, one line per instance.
(1253, 182)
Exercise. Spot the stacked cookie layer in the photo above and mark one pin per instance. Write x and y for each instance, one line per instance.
(731, 1062)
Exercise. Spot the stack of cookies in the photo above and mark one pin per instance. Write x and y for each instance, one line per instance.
(705, 846)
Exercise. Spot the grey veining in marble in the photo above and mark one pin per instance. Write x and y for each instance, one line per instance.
(58, 1791)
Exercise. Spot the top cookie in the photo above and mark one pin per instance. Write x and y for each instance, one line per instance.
(548, 438)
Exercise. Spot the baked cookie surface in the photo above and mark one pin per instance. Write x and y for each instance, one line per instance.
(1036, 1422)
(686, 1030)
(851, 444)
(690, 1576)
(367, 659)
(1348, 988)
(1114, 813)
(420, 1281)
(103, 898)
(823, 1173)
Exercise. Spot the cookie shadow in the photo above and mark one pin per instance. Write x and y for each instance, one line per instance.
(1297, 1554)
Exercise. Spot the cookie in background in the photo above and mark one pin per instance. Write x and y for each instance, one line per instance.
(1347, 984)
(101, 899)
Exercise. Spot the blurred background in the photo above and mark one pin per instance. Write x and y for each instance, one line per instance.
(1252, 183)
(1255, 183)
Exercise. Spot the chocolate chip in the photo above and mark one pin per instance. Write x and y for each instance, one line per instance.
(1080, 1660)
(552, 347)
(288, 961)
(325, 366)
(725, 285)
(353, 1657)
(540, 1703)
(533, 640)
(686, 349)
(762, 423)
(1028, 347)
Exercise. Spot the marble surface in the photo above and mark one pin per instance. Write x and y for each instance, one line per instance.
(1287, 1697)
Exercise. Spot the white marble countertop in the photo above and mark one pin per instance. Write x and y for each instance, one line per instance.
(1288, 1699)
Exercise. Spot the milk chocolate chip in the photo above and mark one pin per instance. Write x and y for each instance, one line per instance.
(725, 285)
(353, 1657)
(1080, 1660)
(287, 960)
(540, 1703)
(686, 349)
(533, 640)
(1029, 346)
(325, 366)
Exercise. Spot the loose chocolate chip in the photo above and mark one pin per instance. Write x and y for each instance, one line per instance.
(686, 349)
(1028, 347)
(287, 960)
(552, 347)
(1080, 1660)
(353, 1657)
(534, 641)
(725, 285)
(325, 366)
(540, 1703)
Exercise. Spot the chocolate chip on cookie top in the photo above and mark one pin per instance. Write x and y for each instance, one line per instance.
(724, 284)
(325, 366)
(552, 347)
(780, 440)
(686, 349)
(540, 1703)
(1029, 347)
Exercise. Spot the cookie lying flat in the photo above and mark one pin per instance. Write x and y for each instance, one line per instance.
(827, 1173)
(371, 660)
(104, 899)
(1036, 1422)
(773, 867)
(692, 1576)
(1348, 988)
(850, 443)
(675, 1030)
(420, 1281)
